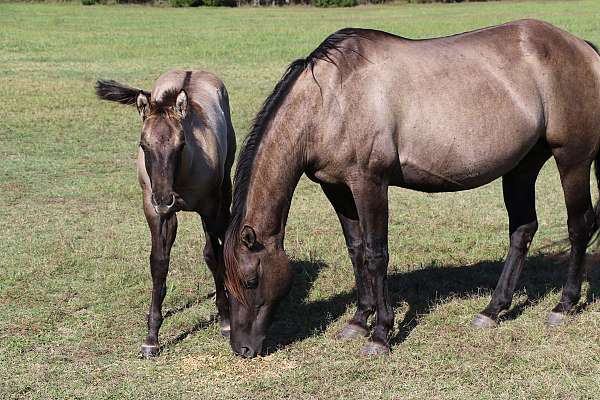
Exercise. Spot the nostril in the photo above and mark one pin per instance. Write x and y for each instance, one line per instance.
(161, 201)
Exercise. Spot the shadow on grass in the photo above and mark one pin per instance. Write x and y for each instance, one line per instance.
(299, 319)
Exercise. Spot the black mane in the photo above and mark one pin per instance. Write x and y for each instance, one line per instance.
(326, 51)
(331, 51)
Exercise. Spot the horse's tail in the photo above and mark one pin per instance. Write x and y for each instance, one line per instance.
(596, 171)
(114, 91)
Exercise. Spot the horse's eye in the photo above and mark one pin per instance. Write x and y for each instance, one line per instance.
(251, 283)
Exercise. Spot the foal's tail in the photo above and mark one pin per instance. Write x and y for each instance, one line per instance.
(114, 91)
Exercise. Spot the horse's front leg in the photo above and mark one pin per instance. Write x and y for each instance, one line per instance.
(163, 231)
(371, 198)
(342, 201)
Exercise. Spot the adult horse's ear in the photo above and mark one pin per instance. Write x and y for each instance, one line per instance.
(143, 105)
(248, 237)
(181, 104)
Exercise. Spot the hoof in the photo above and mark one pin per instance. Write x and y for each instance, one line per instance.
(225, 328)
(371, 349)
(555, 319)
(483, 321)
(149, 351)
(352, 331)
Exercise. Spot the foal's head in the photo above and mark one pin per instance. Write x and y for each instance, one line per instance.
(162, 141)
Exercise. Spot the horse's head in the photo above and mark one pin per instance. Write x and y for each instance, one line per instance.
(258, 277)
(162, 141)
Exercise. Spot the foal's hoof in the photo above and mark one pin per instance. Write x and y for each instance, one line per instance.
(483, 321)
(371, 349)
(149, 350)
(352, 331)
(225, 328)
(555, 319)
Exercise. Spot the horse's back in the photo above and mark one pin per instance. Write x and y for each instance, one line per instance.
(457, 112)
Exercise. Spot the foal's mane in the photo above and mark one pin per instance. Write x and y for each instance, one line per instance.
(332, 51)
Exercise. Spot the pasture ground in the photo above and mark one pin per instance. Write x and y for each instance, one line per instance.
(74, 275)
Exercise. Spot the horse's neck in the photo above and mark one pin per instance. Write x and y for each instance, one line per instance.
(277, 168)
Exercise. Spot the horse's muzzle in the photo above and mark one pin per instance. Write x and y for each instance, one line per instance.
(162, 209)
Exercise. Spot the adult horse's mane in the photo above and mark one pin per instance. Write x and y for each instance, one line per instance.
(331, 51)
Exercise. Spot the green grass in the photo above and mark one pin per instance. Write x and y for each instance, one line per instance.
(74, 276)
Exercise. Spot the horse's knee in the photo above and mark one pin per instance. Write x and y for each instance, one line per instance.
(522, 237)
(582, 230)
(376, 260)
(355, 249)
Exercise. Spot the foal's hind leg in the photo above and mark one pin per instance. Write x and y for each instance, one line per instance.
(214, 230)
(518, 187)
(341, 199)
(163, 235)
(582, 225)
(213, 256)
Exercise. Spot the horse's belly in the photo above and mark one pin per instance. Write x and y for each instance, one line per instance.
(465, 161)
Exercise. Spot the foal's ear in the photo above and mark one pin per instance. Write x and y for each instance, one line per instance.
(181, 104)
(248, 237)
(143, 105)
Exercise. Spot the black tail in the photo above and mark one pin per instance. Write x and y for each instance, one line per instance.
(596, 162)
(597, 206)
(114, 91)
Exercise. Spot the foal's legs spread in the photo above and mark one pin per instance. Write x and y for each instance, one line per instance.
(582, 224)
(371, 199)
(163, 233)
(341, 199)
(518, 187)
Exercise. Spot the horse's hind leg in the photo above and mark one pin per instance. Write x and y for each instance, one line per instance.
(163, 235)
(582, 224)
(341, 199)
(518, 187)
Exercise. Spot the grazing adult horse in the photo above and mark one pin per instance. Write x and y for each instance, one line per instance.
(187, 148)
(367, 110)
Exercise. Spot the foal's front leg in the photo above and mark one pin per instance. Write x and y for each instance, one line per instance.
(163, 232)
(371, 198)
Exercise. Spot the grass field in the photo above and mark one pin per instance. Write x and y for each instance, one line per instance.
(74, 275)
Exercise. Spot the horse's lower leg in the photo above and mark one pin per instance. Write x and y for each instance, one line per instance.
(357, 326)
(582, 225)
(213, 256)
(342, 201)
(518, 187)
(372, 206)
(163, 235)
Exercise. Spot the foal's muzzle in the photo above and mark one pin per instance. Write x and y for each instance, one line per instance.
(162, 209)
